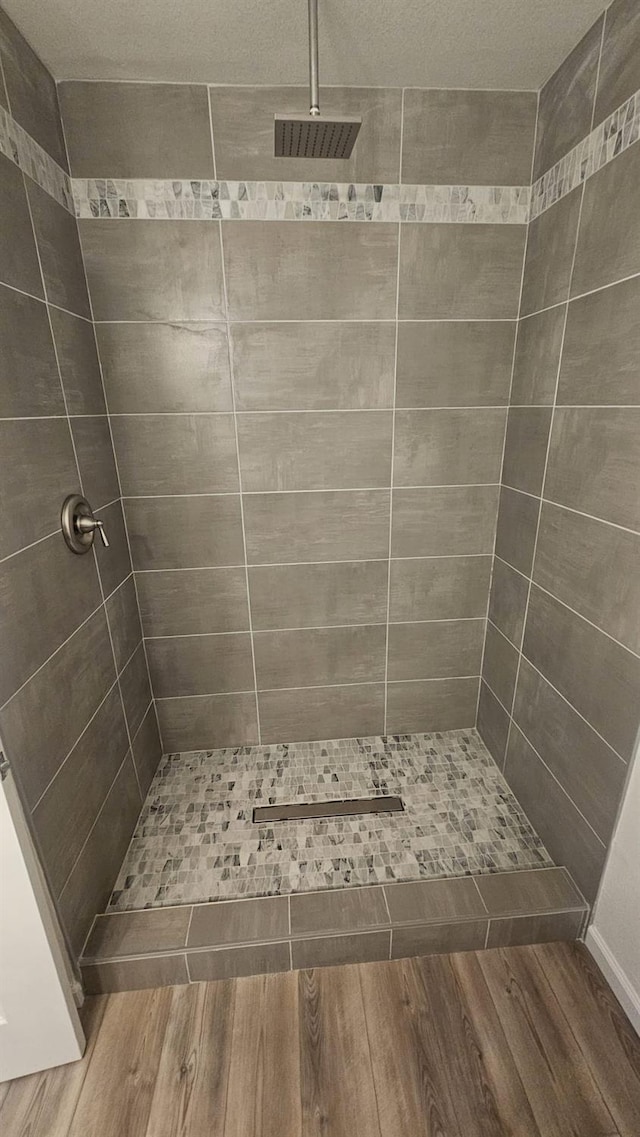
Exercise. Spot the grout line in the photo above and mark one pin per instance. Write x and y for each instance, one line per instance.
(486, 938)
(317, 687)
(482, 900)
(189, 923)
(381, 489)
(303, 564)
(95, 822)
(316, 628)
(393, 441)
(569, 508)
(31, 545)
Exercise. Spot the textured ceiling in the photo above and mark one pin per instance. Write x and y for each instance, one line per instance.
(426, 43)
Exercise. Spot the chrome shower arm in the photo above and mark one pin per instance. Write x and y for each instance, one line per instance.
(313, 58)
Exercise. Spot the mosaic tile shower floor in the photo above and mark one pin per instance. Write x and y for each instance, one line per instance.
(195, 840)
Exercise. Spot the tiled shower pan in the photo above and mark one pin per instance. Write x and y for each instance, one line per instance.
(206, 892)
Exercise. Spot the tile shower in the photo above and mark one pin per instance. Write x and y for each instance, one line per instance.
(364, 443)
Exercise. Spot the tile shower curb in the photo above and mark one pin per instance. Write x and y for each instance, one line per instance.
(389, 921)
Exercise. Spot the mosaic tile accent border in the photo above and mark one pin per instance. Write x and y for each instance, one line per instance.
(22, 149)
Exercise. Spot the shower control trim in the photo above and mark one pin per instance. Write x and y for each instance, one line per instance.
(79, 526)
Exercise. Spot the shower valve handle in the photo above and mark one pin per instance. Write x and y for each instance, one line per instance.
(79, 526)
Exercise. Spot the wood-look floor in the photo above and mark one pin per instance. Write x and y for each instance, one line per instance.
(527, 1041)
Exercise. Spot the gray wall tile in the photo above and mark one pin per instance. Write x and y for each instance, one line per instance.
(508, 600)
(227, 963)
(137, 130)
(18, 258)
(243, 133)
(588, 770)
(161, 532)
(525, 450)
(439, 588)
(147, 750)
(313, 657)
(193, 601)
(134, 974)
(31, 90)
(160, 368)
(538, 347)
(492, 724)
(528, 891)
(465, 363)
(309, 366)
(334, 951)
(238, 922)
(344, 910)
(550, 250)
(322, 712)
(437, 939)
(435, 704)
(299, 596)
(609, 237)
(315, 450)
(30, 384)
(435, 650)
(132, 933)
(516, 531)
(566, 835)
(59, 249)
(448, 447)
(468, 137)
(114, 563)
(566, 102)
(593, 462)
(206, 721)
(324, 526)
(153, 270)
(601, 348)
(549, 928)
(37, 471)
(92, 442)
(593, 568)
(424, 902)
(124, 621)
(499, 665)
(315, 271)
(136, 693)
(79, 366)
(202, 449)
(619, 66)
(443, 521)
(477, 269)
(599, 678)
(200, 665)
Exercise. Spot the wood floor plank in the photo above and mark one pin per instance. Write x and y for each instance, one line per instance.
(602, 1030)
(414, 1095)
(43, 1105)
(337, 1087)
(263, 1098)
(118, 1089)
(563, 1095)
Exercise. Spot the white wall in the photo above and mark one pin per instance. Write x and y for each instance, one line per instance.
(614, 935)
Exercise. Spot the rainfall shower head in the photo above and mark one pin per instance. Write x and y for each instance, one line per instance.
(314, 135)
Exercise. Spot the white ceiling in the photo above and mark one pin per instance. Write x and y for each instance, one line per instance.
(425, 43)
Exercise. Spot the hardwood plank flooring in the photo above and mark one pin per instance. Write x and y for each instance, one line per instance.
(511, 1042)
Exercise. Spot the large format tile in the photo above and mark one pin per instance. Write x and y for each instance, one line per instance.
(200, 665)
(343, 910)
(124, 621)
(137, 130)
(147, 749)
(599, 678)
(204, 721)
(525, 449)
(516, 530)
(114, 562)
(565, 833)
(19, 265)
(320, 450)
(45, 594)
(193, 601)
(620, 63)
(508, 600)
(432, 901)
(31, 90)
(322, 712)
(593, 568)
(464, 363)
(566, 102)
(65, 814)
(37, 471)
(316, 656)
(173, 532)
(328, 526)
(439, 588)
(492, 724)
(227, 963)
(37, 711)
(243, 133)
(79, 365)
(31, 385)
(313, 366)
(499, 665)
(528, 891)
(535, 367)
(436, 939)
(443, 521)
(165, 368)
(312, 596)
(602, 347)
(132, 933)
(136, 692)
(315, 271)
(550, 250)
(434, 704)
(59, 250)
(448, 447)
(609, 237)
(202, 450)
(94, 453)
(468, 137)
(335, 951)
(550, 927)
(245, 921)
(134, 974)
(476, 268)
(446, 648)
(588, 770)
(153, 269)
(594, 457)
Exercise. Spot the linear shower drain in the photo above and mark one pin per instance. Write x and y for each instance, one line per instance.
(301, 811)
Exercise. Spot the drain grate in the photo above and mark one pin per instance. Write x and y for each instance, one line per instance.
(302, 811)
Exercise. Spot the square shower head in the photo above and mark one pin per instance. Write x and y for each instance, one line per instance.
(315, 136)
